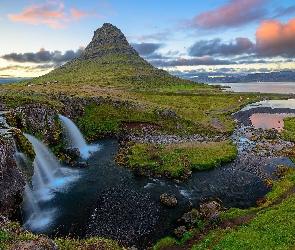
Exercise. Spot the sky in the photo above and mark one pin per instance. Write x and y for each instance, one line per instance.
(214, 37)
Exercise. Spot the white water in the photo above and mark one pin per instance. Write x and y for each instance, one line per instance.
(75, 138)
(49, 178)
(45, 163)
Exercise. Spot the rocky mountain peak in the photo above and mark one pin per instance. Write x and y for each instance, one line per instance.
(106, 40)
(107, 35)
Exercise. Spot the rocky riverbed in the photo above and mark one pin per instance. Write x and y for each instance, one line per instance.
(125, 216)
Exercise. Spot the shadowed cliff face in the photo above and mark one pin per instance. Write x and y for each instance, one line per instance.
(12, 181)
(36, 119)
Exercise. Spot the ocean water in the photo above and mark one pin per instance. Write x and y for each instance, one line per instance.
(10, 80)
(260, 87)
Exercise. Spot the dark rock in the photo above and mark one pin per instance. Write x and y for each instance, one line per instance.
(166, 112)
(73, 153)
(36, 118)
(210, 211)
(168, 200)
(12, 181)
(77, 164)
(179, 232)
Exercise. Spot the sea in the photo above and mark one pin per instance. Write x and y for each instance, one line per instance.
(260, 87)
(10, 80)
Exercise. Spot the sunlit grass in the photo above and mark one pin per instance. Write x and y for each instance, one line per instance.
(176, 158)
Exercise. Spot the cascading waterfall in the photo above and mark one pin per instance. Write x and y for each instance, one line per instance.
(45, 163)
(49, 177)
(75, 138)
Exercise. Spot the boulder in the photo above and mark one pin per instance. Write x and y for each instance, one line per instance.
(210, 211)
(168, 200)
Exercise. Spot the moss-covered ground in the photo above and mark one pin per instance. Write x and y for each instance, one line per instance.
(181, 157)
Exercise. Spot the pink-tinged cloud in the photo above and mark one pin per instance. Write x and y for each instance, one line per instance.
(78, 14)
(50, 13)
(233, 14)
(274, 38)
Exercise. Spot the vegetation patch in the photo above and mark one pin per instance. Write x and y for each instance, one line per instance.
(24, 145)
(178, 160)
(288, 133)
(91, 243)
(200, 108)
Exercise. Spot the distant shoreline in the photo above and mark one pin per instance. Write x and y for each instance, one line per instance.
(5, 80)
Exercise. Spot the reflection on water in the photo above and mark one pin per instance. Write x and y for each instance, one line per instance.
(268, 121)
(290, 103)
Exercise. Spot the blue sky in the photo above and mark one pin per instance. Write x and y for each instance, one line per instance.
(190, 36)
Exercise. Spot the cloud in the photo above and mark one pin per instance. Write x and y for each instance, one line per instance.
(78, 14)
(43, 56)
(50, 13)
(145, 49)
(216, 47)
(282, 11)
(233, 14)
(274, 38)
(159, 36)
(34, 68)
(206, 60)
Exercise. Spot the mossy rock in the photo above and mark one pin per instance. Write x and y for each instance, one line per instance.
(23, 144)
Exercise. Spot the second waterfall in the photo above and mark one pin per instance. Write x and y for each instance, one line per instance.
(75, 138)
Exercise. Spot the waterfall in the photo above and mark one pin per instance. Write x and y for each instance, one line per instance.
(75, 138)
(45, 163)
(48, 178)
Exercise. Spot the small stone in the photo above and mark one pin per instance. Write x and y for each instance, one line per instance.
(179, 232)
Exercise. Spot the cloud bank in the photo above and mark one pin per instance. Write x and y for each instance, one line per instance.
(43, 56)
(215, 47)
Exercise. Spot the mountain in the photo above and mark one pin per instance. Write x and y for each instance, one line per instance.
(109, 61)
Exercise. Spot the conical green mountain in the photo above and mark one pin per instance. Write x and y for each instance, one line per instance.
(109, 61)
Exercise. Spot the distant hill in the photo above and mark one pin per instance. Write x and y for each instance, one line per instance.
(110, 61)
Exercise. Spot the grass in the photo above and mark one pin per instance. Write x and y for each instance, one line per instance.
(178, 158)
(288, 133)
(199, 108)
(13, 233)
(272, 228)
(92, 243)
